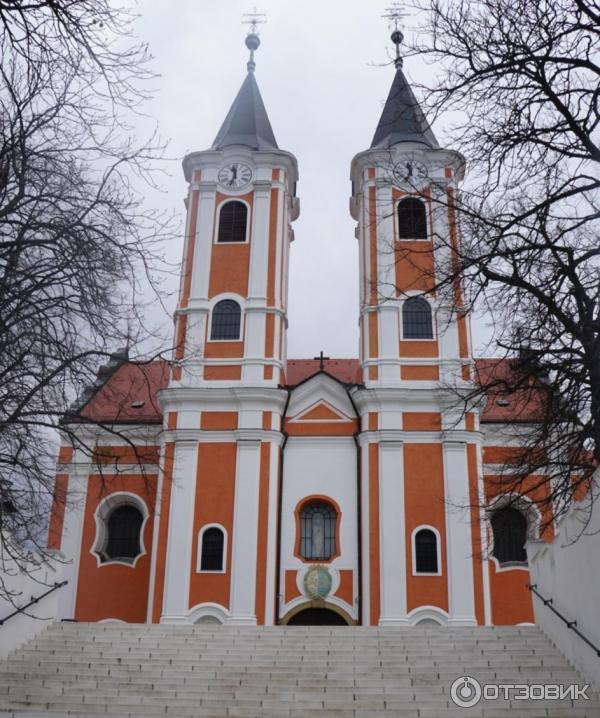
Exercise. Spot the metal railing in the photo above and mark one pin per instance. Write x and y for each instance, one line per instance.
(569, 624)
(33, 601)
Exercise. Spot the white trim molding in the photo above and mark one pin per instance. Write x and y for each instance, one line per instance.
(101, 515)
(413, 549)
(204, 610)
(201, 533)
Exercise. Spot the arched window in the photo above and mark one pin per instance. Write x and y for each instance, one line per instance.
(416, 319)
(226, 320)
(124, 526)
(509, 527)
(211, 551)
(317, 531)
(233, 218)
(412, 219)
(426, 552)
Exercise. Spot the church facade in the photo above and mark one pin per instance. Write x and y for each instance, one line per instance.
(235, 485)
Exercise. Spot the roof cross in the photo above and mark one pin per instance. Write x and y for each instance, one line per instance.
(321, 359)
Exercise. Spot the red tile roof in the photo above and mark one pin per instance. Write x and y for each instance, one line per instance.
(505, 402)
(345, 370)
(130, 383)
(133, 383)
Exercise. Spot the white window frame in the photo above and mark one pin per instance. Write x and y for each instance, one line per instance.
(438, 547)
(213, 303)
(532, 515)
(397, 222)
(218, 222)
(199, 552)
(434, 331)
(101, 515)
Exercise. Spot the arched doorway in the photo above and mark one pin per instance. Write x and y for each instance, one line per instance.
(317, 617)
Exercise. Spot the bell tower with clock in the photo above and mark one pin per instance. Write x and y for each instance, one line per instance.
(223, 405)
(231, 316)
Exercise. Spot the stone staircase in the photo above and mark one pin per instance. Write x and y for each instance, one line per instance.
(210, 671)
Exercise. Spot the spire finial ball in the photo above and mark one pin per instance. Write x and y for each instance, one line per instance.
(397, 37)
(252, 41)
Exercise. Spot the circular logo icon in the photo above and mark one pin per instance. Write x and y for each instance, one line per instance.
(317, 582)
(465, 692)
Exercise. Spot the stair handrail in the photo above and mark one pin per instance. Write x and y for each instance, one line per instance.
(33, 601)
(570, 624)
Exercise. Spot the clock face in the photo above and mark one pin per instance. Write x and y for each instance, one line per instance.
(411, 171)
(235, 175)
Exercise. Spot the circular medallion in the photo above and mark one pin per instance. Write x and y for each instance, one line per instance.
(317, 582)
(234, 175)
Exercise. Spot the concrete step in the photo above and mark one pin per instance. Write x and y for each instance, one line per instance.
(197, 671)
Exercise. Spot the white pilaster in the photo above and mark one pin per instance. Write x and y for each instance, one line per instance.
(459, 546)
(181, 529)
(72, 533)
(203, 240)
(245, 533)
(392, 534)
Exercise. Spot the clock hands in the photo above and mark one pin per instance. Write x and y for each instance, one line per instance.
(233, 175)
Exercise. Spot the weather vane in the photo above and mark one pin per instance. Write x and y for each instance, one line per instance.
(253, 19)
(395, 14)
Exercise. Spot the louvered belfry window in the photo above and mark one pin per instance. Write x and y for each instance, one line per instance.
(233, 219)
(416, 319)
(317, 531)
(212, 550)
(426, 555)
(509, 527)
(124, 529)
(226, 320)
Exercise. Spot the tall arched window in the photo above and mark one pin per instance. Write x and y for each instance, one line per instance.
(417, 321)
(426, 552)
(317, 531)
(124, 526)
(233, 219)
(412, 219)
(226, 320)
(212, 549)
(509, 527)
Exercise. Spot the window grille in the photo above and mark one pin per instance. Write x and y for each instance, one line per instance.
(233, 218)
(124, 526)
(226, 320)
(317, 531)
(417, 321)
(412, 219)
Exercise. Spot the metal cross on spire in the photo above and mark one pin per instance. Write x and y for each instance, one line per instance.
(253, 19)
(395, 14)
(321, 359)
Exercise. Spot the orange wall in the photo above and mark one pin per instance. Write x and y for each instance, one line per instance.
(114, 590)
(425, 504)
(511, 599)
(215, 487)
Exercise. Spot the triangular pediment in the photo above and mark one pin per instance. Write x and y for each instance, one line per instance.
(321, 411)
(320, 399)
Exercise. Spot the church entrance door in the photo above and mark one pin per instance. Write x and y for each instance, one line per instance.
(317, 617)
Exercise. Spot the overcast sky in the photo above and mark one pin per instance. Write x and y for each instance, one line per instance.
(324, 71)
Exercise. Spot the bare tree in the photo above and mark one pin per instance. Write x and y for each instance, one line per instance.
(522, 80)
(77, 245)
